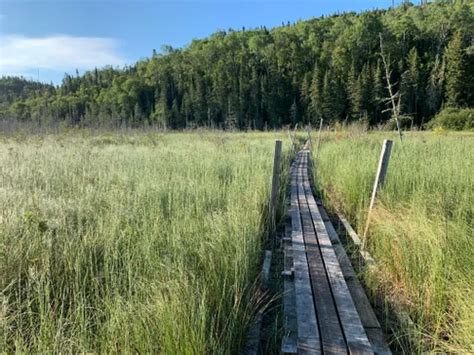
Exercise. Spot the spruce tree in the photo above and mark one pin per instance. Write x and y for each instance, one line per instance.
(454, 71)
(316, 94)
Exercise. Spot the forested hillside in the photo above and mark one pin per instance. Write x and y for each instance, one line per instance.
(327, 67)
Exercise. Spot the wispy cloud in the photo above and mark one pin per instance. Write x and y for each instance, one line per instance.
(20, 54)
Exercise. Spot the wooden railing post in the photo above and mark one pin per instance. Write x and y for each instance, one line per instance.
(379, 179)
(275, 182)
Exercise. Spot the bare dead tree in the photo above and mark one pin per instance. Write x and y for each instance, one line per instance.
(394, 97)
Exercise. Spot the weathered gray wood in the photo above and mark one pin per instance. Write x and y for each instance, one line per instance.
(275, 182)
(323, 213)
(379, 178)
(308, 334)
(341, 254)
(364, 309)
(252, 344)
(289, 342)
(267, 261)
(355, 240)
(356, 337)
(333, 314)
(349, 230)
(366, 313)
(377, 339)
(332, 337)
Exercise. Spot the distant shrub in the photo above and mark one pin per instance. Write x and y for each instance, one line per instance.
(405, 123)
(454, 118)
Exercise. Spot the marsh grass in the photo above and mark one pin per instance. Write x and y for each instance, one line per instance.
(421, 232)
(137, 242)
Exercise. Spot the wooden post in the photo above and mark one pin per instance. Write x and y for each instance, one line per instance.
(319, 137)
(275, 182)
(379, 179)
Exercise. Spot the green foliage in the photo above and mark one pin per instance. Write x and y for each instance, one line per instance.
(455, 119)
(454, 71)
(259, 78)
(125, 243)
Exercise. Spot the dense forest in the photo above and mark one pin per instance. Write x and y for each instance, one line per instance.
(328, 67)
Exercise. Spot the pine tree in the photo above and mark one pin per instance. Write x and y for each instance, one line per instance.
(454, 71)
(294, 113)
(332, 97)
(435, 87)
(305, 97)
(410, 84)
(315, 109)
(354, 92)
(162, 113)
(366, 90)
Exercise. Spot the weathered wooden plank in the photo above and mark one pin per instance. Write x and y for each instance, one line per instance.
(332, 337)
(289, 342)
(308, 334)
(350, 231)
(354, 332)
(275, 182)
(252, 345)
(267, 261)
(356, 241)
(341, 254)
(323, 213)
(367, 315)
(377, 339)
(364, 309)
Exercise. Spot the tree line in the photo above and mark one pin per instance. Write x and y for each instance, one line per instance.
(326, 67)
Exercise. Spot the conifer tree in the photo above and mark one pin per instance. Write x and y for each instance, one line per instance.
(453, 56)
(316, 94)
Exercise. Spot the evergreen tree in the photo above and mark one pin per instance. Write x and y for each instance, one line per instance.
(453, 56)
(327, 66)
(354, 92)
(315, 109)
(378, 95)
(294, 113)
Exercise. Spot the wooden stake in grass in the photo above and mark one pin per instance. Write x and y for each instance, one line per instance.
(275, 182)
(379, 180)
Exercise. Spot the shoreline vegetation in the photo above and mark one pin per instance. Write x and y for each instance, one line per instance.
(261, 78)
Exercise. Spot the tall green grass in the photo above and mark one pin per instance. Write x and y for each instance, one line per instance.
(421, 232)
(137, 242)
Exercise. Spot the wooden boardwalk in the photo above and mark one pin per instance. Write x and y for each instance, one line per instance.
(325, 307)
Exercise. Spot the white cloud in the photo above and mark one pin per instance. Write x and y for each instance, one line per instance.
(58, 53)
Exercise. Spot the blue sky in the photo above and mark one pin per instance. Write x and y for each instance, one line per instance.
(45, 39)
